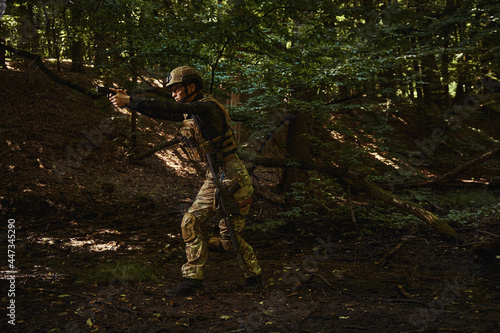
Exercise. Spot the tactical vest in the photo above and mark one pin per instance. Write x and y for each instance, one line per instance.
(196, 139)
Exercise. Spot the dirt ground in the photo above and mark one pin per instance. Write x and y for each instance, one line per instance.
(79, 207)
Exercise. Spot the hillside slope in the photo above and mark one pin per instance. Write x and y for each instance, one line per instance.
(59, 146)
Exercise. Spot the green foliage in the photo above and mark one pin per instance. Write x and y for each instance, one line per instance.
(472, 217)
(264, 50)
(382, 217)
(468, 199)
(267, 226)
(301, 201)
(406, 65)
(319, 197)
(470, 207)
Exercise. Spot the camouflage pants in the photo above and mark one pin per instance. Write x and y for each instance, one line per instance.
(202, 210)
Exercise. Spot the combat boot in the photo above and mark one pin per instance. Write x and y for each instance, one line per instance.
(254, 283)
(187, 287)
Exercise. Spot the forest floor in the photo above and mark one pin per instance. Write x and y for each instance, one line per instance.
(98, 242)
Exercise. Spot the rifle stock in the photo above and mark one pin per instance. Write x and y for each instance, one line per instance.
(225, 198)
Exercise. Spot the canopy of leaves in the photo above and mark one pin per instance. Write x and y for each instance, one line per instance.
(374, 78)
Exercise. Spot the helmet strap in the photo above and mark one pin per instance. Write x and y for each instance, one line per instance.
(189, 95)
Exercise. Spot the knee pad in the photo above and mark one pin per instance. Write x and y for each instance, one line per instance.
(188, 227)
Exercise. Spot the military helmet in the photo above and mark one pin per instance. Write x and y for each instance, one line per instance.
(184, 75)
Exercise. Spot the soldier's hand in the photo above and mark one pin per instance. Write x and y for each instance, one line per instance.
(120, 99)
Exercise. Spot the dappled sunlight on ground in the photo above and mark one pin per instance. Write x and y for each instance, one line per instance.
(172, 161)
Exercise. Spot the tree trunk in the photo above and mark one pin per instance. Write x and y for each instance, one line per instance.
(3, 64)
(440, 225)
(100, 58)
(77, 45)
(37, 61)
(445, 101)
(77, 56)
(431, 85)
(151, 151)
(30, 41)
(359, 180)
(297, 147)
(455, 172)
(462, 85)
(53, 40)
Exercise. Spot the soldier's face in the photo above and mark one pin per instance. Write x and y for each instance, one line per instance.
(178, 92)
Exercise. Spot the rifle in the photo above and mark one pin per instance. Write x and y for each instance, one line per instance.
(225, 198)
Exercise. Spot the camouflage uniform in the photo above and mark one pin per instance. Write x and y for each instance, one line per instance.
(209, 122)
(202, 210)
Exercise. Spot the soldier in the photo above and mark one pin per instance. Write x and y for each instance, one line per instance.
(205, 129)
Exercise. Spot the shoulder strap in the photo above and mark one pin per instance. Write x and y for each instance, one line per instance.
(210, 98)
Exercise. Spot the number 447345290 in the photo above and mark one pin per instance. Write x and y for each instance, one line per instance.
(11, 247)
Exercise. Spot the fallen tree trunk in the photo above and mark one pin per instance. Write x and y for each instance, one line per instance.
(167, 144)
(440, 225)
(359, 180)
(38, 61)
(174, 141)
(451, 175)
(57, 79)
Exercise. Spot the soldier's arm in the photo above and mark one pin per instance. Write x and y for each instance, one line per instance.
(162, 109)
